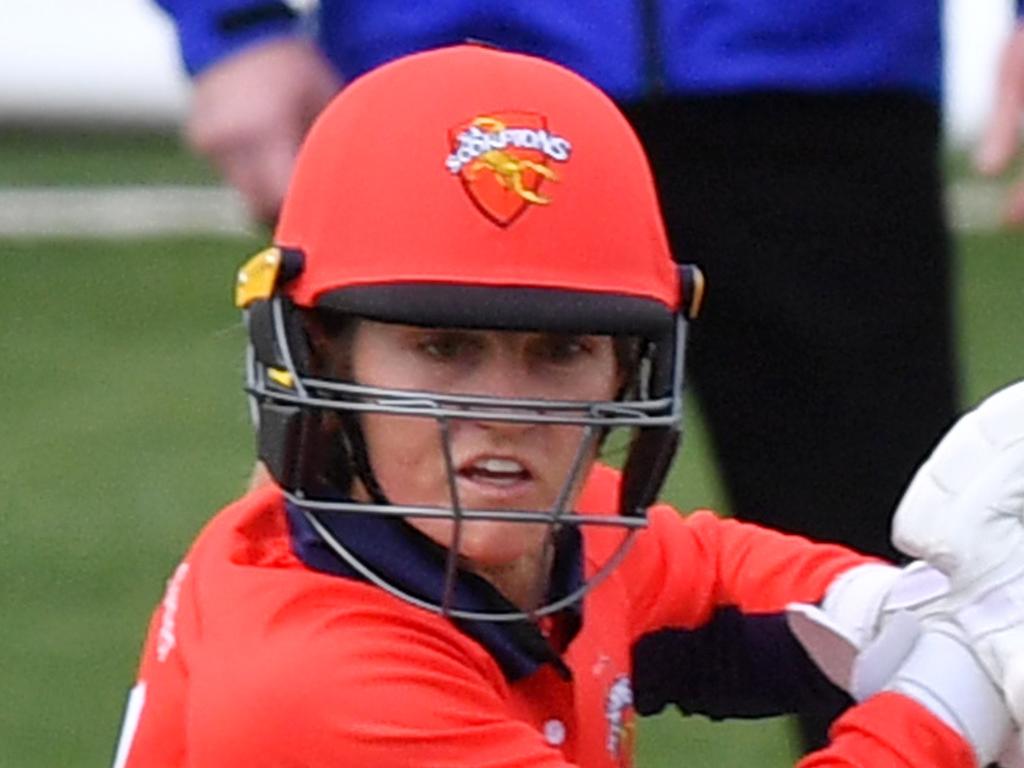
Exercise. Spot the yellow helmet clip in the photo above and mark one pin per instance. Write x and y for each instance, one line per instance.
(257, 277)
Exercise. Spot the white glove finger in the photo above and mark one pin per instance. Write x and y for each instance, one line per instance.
(943, 673)
(879, 661)
(831, 647)
(994, 624)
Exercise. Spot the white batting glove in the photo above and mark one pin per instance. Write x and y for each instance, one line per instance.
(884, 628)
(878, 606)
(964, 514)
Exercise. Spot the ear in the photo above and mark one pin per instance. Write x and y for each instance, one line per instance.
(329, 344)
(317, 335)
(627, 361)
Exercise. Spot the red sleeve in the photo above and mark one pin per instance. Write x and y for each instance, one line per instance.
(893, 731)
(153, 728)
(682, 569)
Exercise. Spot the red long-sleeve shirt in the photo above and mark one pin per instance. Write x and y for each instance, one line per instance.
(255, 658)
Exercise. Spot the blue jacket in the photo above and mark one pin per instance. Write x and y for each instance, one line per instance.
(631, 48)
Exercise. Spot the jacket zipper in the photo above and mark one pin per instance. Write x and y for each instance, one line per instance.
(653, 62)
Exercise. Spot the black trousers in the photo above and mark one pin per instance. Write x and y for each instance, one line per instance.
(824, 357)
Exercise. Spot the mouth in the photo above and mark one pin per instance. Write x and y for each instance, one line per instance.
(495, 474)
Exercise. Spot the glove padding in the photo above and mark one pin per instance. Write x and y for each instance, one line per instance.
(964, 510)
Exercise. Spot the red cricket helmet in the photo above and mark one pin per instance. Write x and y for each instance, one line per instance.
(467, 187)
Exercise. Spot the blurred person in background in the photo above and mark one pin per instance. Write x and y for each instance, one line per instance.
(797, 152)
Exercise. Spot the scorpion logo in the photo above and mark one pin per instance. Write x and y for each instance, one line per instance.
(507, 168)
(502, 158)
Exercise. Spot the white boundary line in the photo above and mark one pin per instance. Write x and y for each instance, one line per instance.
(121, 211)
(975, 205)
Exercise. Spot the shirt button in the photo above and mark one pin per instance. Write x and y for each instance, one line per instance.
(554, 732)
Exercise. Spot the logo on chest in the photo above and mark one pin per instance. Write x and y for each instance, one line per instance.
(618, 711)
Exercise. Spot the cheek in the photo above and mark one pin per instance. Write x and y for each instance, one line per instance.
(561, 445)
(405, 455)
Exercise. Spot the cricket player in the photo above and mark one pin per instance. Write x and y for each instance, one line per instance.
(470, 289)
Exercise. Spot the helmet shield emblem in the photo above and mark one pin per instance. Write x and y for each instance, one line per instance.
(503, 160)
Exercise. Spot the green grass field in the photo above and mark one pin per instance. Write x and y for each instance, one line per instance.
(125, 428)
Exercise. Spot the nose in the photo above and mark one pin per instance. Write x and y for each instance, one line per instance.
(506, 376)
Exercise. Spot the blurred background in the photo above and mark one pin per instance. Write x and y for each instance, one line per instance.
(122, 417)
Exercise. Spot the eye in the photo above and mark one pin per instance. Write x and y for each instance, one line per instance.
(447, 346)
(563, 349)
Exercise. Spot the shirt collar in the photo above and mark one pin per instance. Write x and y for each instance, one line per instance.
(415, 564)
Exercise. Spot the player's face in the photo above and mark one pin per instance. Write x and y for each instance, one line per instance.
(498, 465)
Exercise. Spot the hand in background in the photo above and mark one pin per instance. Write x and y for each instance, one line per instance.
(251, 111)
(1002, 139)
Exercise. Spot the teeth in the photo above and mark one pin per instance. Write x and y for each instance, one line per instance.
(500, 466)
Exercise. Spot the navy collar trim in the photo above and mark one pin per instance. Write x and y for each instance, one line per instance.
(415, 564)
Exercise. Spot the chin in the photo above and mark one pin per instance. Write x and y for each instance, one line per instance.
(489, 543)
